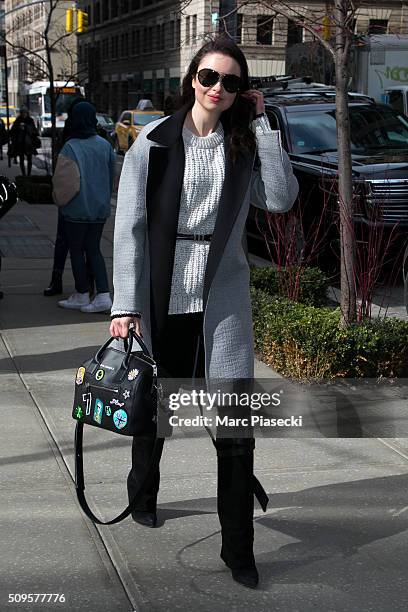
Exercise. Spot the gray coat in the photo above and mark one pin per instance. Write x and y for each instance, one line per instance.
(145, 236)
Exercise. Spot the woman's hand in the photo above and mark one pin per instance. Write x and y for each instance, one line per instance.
(119, 328)
(257, 98)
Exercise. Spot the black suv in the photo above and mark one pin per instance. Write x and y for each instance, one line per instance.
(379, 145)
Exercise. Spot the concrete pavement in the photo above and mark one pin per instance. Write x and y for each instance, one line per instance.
(334, 537)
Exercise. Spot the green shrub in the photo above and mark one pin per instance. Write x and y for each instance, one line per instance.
(305, 285)
(306, 342)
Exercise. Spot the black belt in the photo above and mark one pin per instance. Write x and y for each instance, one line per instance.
(196, 237)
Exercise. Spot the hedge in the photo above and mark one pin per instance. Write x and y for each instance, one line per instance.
(306, 342)
(305, 285)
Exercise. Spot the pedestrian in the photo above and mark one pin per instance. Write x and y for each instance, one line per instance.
(85, 168)
(61, 239)
(183, 200)
(3, 137)
(24, 140)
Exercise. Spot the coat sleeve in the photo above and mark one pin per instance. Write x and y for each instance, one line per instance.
(273, 185)
(130, 230)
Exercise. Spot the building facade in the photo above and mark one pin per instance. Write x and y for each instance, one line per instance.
(3, 68)
(137, 49)
(26, 52)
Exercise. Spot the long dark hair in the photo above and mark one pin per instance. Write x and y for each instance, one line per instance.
(238, 117)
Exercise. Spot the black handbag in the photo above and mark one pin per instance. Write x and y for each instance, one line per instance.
(117, 391)
(8, 195)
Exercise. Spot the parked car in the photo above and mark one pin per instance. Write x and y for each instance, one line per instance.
(106, 127)
(130, 123)
(379, 148)
(12, 114)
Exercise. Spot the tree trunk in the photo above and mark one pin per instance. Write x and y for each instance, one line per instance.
(52, 91)
(53, 107)
(347, 247)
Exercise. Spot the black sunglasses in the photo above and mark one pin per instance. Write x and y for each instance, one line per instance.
(208, 78)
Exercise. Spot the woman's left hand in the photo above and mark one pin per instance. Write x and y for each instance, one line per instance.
(257, 98)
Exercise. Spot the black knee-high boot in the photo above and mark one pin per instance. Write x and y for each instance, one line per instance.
(142, 448)
(235, 503)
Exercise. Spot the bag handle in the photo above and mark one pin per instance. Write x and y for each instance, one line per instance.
(129, 341)
(80, 483)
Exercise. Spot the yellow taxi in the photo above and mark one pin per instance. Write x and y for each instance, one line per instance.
(12, 114)
(130, 123)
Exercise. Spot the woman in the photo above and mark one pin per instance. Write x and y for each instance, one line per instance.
(192, 174)
(24, 140)
(90, 158)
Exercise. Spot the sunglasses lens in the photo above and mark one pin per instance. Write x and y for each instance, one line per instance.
(231, 83)
(208, 77)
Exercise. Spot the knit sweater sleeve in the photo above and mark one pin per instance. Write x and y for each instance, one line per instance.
(130, 231)
(273, 185)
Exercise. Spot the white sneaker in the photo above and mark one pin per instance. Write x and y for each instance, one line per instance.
(75, 302)
(101, 303)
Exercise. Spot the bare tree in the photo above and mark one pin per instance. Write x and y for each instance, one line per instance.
(54, 39)
(342, 13)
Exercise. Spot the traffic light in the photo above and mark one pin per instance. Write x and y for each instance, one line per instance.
(82, 22)
(326, 27)
(69, 20)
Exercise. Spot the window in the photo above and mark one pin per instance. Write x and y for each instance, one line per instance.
(177, 35)
(187, 39)
(295, 33)
(171, 34)
(158, 38)
(377, 26)
(194, 29)
(135, 48)
(105, 10)
(370, 128)
(115, 46)
(396, 100)
(151, 41)
(114, 8)
(124, 45)
(97, 13)
(264, 25)
(145, 40)
(240, 19)
(162, 44)
(124, 7)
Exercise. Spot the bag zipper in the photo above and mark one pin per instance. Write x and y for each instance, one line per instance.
(88, 385)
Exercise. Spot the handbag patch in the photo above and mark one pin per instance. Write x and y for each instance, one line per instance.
(120, 418)
(98, 411)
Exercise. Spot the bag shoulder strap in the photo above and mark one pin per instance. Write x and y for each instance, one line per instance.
(80, 483)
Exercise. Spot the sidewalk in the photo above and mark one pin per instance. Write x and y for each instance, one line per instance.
(334, 537)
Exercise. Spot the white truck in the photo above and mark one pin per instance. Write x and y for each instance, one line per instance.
(380, 69)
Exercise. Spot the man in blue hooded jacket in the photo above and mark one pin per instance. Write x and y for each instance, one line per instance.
(85, 170)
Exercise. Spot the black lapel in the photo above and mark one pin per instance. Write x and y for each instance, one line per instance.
(237, 177)
(163, 191)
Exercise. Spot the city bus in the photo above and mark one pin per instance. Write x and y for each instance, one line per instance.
(39, 103)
